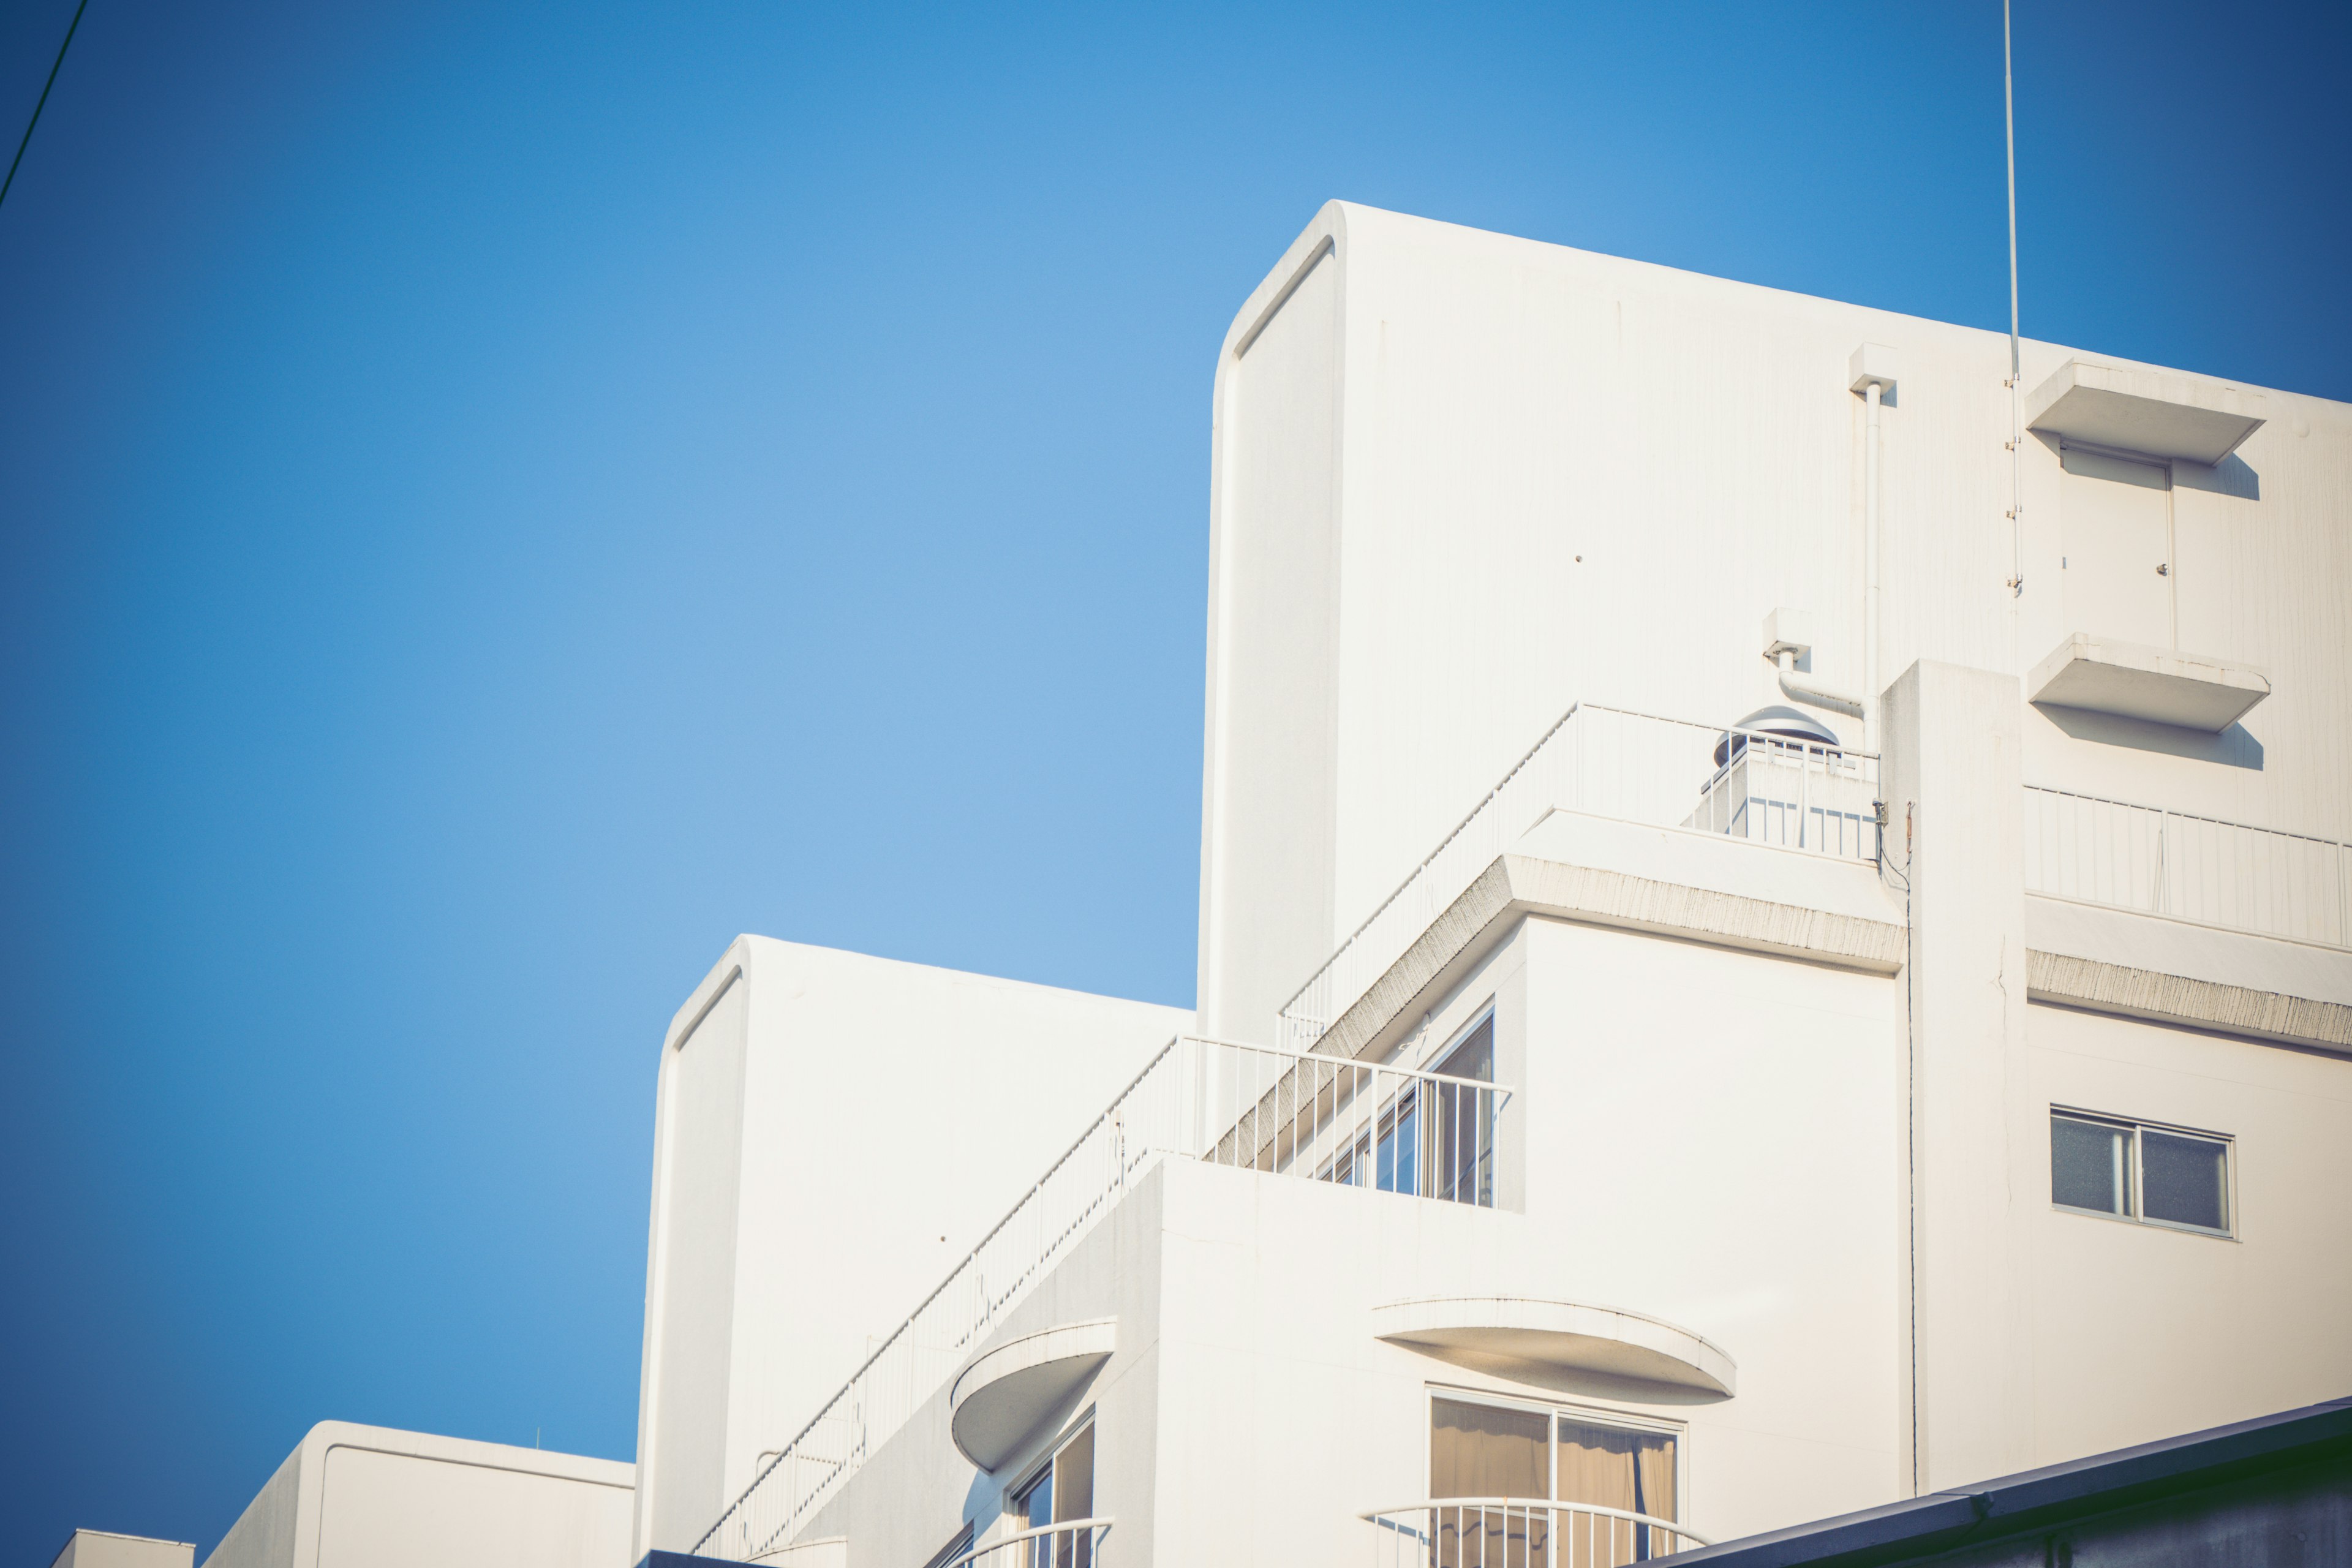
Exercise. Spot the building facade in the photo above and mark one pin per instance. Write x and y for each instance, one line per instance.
(1776, 937)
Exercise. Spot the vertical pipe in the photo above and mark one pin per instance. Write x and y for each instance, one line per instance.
(1870, 574)
(2016, 372)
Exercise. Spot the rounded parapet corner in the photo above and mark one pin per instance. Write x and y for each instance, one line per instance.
(1001, 1399)
(1568, 1334)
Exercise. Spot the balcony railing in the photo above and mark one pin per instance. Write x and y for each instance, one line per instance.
(1255, 1107)
(1075, 1545)
(1636, 767)
(1520, 1532)
(2190, 867)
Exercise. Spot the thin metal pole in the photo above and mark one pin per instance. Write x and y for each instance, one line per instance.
(2016, 365)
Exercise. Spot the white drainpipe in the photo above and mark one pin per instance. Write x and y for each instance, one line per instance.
(1871, 373)
(1789, 636)
(1801, 688)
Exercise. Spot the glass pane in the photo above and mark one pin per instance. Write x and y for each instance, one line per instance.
(1074, 1478)
(1481, 1450)
(1037, 1503)
(2184, 1180)
(1399, 1153)
(2090, 1166)
(1475, 1056)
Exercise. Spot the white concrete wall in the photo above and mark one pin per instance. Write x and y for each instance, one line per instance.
(369, 1497)
(886, 1115)
(1704, 1136)
(2138, 1331)
(1273, 673)
(1565, 475)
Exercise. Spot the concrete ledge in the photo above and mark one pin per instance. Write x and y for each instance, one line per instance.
(2162, 685)
(1004, 1395)
(2177, 998)
(1516, 885)
(1560, 1334)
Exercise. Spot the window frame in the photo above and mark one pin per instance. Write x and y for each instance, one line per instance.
(1554, 1411)
(1484, 1013)
(2137, 1203)
(1016, 1496)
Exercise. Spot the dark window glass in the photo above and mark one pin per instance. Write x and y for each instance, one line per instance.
(1036, 1504)
(1400, 1150)
(2090, 1166)
(2184, 1181)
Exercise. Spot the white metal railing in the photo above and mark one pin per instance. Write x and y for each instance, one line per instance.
(1520, 1532)
(1637, 767)
(1257, 1107)
(2191, 868)
(1077, 1543)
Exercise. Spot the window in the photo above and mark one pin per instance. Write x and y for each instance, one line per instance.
(1061, 1490)
(1431, 1139)
(2140, 1171)
(1491, 1451)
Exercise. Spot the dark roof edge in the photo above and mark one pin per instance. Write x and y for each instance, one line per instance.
(2039, 1499)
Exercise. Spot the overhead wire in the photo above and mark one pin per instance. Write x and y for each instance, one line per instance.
(43, 102)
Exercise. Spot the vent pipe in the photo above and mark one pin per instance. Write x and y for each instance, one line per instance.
(1871, 372)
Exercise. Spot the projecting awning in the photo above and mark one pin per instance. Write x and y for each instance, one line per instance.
(2150, 412)
(1558, 1334)
(1006, 1395)
(2161, 684)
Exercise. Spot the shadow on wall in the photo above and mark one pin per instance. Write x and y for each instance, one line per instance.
(2233, 747)
(2230, 477)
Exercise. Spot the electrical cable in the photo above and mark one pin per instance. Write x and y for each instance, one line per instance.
(43, 103)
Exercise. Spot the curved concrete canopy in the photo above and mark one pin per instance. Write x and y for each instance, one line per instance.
(1558, 1334)
(1002, 1398)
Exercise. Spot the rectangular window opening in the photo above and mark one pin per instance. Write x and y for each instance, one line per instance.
(2141, 1172)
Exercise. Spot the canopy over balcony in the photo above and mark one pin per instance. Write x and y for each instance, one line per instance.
(1560, 1334)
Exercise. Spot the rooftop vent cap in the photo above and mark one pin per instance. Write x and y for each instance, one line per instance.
(1776, 719)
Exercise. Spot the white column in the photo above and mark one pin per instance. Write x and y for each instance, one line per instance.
(1954, 820)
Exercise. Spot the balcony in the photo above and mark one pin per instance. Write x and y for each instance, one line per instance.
(1289, 1113)
(1520, 1532)
(1075, 1545)
(1764, 787)
(2200, 870)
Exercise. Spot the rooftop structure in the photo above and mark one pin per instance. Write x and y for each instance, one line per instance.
(1742, 979)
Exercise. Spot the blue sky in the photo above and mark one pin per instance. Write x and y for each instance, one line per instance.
(495, 500)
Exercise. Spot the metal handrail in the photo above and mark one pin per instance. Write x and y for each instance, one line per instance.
(1481, 1508)
(1093, 1529)
(2186, 866)
(2187, 815)
(1532, 1505)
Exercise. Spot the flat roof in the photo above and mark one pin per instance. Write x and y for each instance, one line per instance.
(2044, 1499)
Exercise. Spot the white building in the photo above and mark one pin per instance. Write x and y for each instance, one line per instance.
(105, 1548)
(1746, 973)
(369, 1497)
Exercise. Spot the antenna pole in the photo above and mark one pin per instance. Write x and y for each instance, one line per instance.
(2016, 369)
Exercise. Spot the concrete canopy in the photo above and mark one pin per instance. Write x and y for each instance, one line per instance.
(2142, 411)
(1559, 1334)
(1003, 1398)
